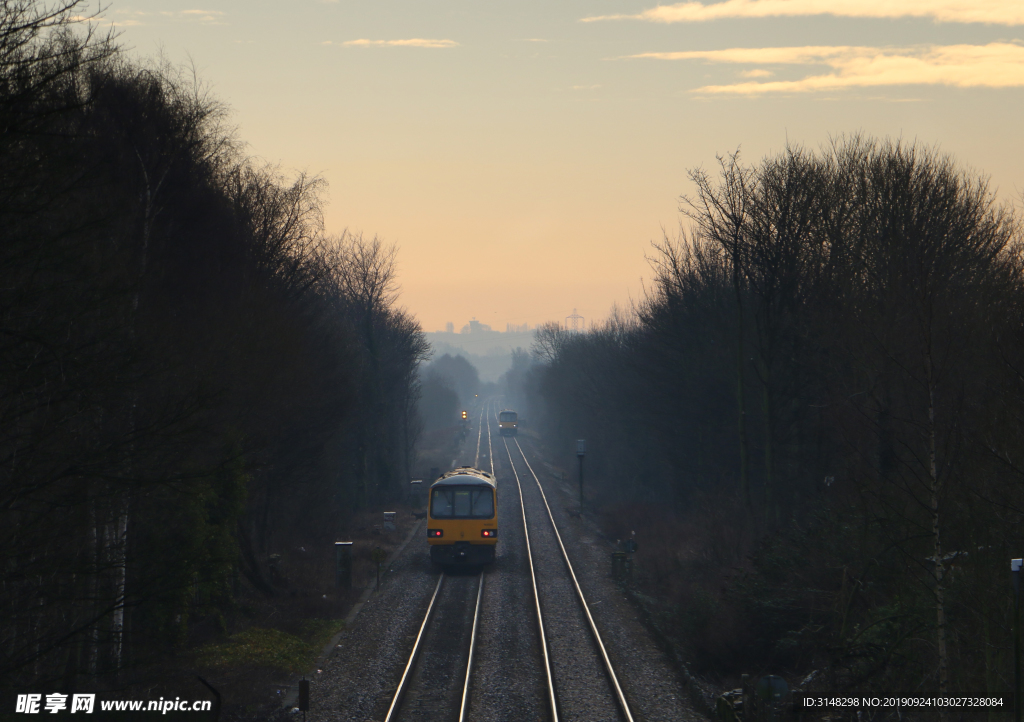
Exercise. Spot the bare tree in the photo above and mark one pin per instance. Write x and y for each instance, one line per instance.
(721, 213)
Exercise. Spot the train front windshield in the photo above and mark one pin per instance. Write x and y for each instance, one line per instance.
(462, 502)
(507, 416)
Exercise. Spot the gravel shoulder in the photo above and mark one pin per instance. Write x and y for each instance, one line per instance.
(370, 656)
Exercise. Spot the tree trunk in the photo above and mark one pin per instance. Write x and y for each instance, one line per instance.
(770, 508)
(121, 544)
(120, 578)
(92, 665)
(744, 473)
(940, 608)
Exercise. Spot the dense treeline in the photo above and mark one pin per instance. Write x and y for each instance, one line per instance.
(813, 419)
(448, 384)
(193, 376)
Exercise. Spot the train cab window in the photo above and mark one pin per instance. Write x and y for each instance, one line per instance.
(465, 502)
(507, 416)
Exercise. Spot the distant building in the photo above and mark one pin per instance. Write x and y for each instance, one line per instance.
(449, 327)
(475, 326)
(517, 328)
(490, 351)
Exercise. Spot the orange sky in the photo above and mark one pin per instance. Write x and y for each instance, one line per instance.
(523, 155)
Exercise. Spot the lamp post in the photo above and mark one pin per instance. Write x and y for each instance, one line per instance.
(581, 451)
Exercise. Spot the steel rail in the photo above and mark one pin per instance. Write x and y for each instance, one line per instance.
(480, 587)
(480, 428)
(593, 627)
(412, 657)
(472, 647)
(490, 449)
(536, 596)
(392, 710)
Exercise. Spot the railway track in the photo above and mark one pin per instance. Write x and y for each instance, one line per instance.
(562, 683)
(580, 682)
(518, 644)
(425, 690)
(437, 676)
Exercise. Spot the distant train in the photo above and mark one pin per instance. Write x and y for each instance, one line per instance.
(508, 422)
(462, 517)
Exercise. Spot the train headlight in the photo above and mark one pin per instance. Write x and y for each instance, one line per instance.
(434, 533)
(489, 533)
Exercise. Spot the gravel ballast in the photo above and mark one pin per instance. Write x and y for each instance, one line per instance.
(370, 657)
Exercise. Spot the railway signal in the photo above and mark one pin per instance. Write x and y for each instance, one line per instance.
(465, 415)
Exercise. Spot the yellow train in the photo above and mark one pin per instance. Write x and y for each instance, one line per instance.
(462, 517)
(508, 422)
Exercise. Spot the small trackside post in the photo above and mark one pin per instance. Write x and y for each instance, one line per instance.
(304, 697)
(378, 555)
(581, 450)
(1015, 565)
(343, 565)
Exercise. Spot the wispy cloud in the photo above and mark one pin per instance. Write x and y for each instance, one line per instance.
(996, 12)
(996, 65)
(585, 87)
(407, 43)
(127, 17)
(207, 17)
(770, 56)
(122, 19)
